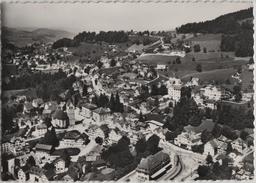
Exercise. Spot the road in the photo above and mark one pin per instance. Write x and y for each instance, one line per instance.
(189, 161)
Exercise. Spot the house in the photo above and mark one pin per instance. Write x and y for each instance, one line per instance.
(36, 103)
(49, 108)
(23, 174)
(40, 130)
(74, 138)
(7, 147)
(43, 152)
(70, 109)
(87, 109)
(216, 147)
(15, 146)
(161, 67)
(60, 119)
(174, 86)
(60, 165)
(211, 92)
(210, 103)
(193, 82)
(37, 174)
(188, 139)
(153, 165)
(239, 145)
(101, 114)
(114, 135)
(27, 107)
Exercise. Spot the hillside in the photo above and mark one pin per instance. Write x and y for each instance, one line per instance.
(20, 38)
(228, 24)
(236, 29)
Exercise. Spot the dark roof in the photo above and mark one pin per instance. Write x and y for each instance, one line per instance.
(74, 134)
(151, 162)
(88, 106)
(102, 110)
(99, 162)
(60, 114)
(155, 117)
(207, 124)
(37, 171)
(44, 147)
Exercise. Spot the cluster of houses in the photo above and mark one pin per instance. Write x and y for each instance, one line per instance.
(82, 123)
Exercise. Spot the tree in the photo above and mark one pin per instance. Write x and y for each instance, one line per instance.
(99, 140)
(237, 93)
(206, 136)
(178, 61)
(216, 132)
(209, 159)
(197, 48)
(244, 135)
(141, 117)
(152, 143)
(141, 145)
(251, 61)
(202, 171)
(113, 63)
(112, 103)
(30, 161)
(199, 68)
(229, 148)
(50, 138)
(154, 90)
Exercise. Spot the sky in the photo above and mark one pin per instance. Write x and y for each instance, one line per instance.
(79, 17)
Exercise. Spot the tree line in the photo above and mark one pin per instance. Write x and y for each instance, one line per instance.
(227, 24)
(109, 37)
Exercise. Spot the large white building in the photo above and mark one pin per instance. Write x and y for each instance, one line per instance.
(211, 92)
(174, 86)
(188, 139)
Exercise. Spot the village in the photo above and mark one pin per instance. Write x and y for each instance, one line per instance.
(115, 122)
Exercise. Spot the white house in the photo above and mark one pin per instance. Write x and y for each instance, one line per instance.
(187, 140)
(211, 92)
(40, 130)
(101, 114)
(161, 67)
(238, 144)
(60, 165)
(174, 86)
(87, 109)
(215, 147)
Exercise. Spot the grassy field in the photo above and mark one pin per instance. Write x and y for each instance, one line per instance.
(210, 41)
(214, 68)
(219, 75)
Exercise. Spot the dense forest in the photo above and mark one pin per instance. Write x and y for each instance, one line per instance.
(109, 37)
(227, 24)
(237, 30)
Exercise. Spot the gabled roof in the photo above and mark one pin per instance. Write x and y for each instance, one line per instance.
(60, 114)
(102, 110)
(151, 162)
(43, 147)
(89, 106)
